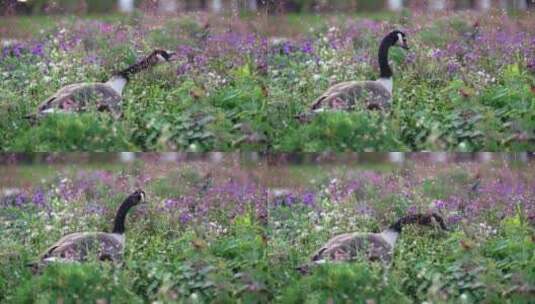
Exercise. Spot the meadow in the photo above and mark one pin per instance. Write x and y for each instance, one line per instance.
(466, 84)
(233, 232)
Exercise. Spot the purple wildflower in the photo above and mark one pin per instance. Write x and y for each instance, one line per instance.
(16, 50)
(171, 203)
(106, 28)
(185, 218)
(453, 68)
(183, 69)
(439, 204)
(200, 60)
(412, 210)
(290, 200)
(39, 198)
(437, 54)
(453, 219)
(20, 199)
(307, 47)
(287, 48)
(38, 50)
(309, 198)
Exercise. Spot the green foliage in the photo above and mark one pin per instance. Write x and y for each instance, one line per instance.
(227, 257)
(223, 100)
(75, 284)
(73, 133)
(342, 132)
(353, 283)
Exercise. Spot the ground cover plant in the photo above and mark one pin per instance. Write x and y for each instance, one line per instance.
(200, 239)
(467, 84)
(228, 233)
(488, 257)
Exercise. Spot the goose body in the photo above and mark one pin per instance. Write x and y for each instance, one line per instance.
(99, 96)
(82, 246)
(81, 97)
(347, 96)
(369, 246)
(368, 94)
(79, 246)
(349, 246)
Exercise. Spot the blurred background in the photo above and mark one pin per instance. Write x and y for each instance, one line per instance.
(279, 174)
(254, 158)
(15, 7)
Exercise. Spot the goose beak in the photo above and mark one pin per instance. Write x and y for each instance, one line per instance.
(405, 46)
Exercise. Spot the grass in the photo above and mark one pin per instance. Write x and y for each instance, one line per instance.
(205, 239)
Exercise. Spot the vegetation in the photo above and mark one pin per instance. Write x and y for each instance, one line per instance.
(467, 84)
(211, 235)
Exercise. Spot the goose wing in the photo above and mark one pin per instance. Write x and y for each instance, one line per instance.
(78, 246)
(339, 248)
(378, 249)
(347, 96)
(348, 246)
(80, 97)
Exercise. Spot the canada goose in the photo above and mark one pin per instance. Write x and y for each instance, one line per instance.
(77, 247)
(372, 246)
(376, 94)
(102, 96)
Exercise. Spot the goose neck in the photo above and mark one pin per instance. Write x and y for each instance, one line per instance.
(120, 217)
(386, 71)
(144, 64)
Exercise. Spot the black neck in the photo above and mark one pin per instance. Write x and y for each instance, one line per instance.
(144, 64)
(410, 219)
(386, 71)
(120, 217)
(397, 226)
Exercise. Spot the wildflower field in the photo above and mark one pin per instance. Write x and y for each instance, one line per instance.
(466, 84)
(234, 232)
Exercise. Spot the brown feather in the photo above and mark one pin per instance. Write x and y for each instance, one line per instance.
(349, 246)
(82, 97)
(80, 246)
(350, 95)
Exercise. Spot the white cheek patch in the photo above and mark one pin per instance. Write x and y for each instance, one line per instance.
(400, 38)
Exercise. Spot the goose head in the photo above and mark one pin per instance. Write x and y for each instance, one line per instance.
(438, 221)
(163, 55)
(138, 197)
(433, 220)
(398, 38)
